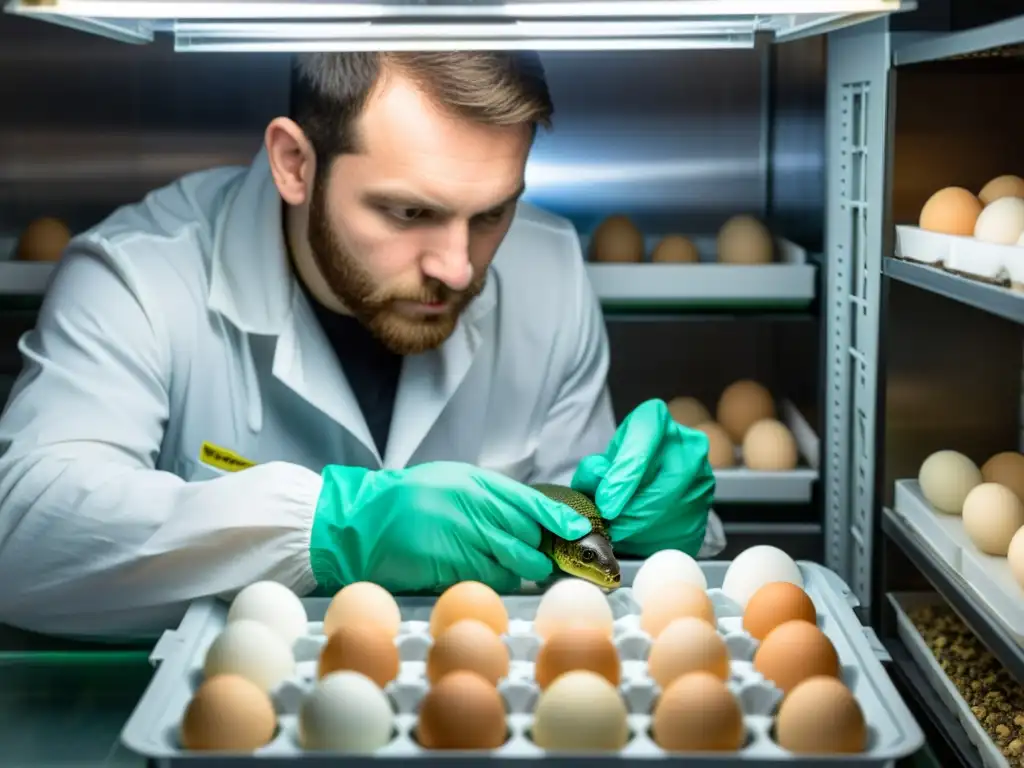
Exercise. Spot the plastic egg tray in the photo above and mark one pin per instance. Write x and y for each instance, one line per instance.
(152, 730)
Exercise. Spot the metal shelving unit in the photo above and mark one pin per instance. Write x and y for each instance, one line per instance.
(24, 279)
(990, 298)
(1005, 38)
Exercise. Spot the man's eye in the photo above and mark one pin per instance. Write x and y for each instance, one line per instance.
(491, 217)
(407, 215)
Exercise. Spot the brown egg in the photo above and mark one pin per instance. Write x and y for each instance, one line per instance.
(793, 652)
(821, 716)
(744, 240)
(228, 713)
(462, 711)
(43, 240)
(687, 645)
(675, 600)
(698, 713)
(617, 239)
(688, 411)
(1002, 186)
(741, 405)
(776, 603)
(951, 211)
(1007, 469)
(769, 446)
(469, 600)
(362, 648)
(676, 249)
(361, 603)
(468, 645)
(577, 648)
(721, 451)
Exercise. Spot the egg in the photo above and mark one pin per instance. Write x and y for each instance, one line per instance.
(775, 604)
(363, 602)
(580, 711)
(793, 652)
(769, 446)
(677, 249)
(228, 713)
(1002, 221)
(470, 645)
(663, 567)
(44, 239)
(577, 648)
(674, 601)
(1006, 468)
(721, 451)
(462, 711)
(946, 477)
(756, 566)
(688, 411)
(469, 600)
(272, 604)
(573, 603)
(363, 648)
(617, 239)
(251, 650)
(346, 712)
(1015, 557)
(687, 645)
(821, 716)
(951, 211)
(741, 405)
(992, 515)
(744, 240)
(698, 713)
(1002, 186)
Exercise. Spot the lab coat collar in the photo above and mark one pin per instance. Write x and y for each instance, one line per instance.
(252, 285)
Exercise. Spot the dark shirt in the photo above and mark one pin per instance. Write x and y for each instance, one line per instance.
(371, 369)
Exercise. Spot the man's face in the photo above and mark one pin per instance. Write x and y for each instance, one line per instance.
(404, 231)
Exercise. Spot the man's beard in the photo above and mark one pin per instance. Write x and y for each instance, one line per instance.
(373, 306)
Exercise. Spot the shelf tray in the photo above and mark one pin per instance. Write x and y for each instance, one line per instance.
(794, 487)
(893, 732)
(906, 602)
(962, 590)
(1004, 38)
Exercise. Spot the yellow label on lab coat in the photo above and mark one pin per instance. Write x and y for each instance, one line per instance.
(223, 459)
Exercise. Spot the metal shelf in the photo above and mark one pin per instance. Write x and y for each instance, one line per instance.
(293, 25)
(1002, 39)
(990, 298)
(24, 278)
(960, 595)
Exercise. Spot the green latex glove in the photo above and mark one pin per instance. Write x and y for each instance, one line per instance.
(654, 483)
(430, 526)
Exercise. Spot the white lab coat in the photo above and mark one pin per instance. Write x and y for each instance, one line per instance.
(177, 321)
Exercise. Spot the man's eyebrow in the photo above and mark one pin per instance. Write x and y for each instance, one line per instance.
(409, 200)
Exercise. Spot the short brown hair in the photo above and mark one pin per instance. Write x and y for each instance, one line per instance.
(329, 90)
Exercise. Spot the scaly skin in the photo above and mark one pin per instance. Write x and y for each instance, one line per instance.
(590, 558)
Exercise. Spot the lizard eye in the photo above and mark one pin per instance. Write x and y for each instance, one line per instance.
(588, 556)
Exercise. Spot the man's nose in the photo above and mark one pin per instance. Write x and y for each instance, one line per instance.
(448, 258)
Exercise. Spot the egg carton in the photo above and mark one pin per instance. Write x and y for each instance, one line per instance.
(990, 262)
(152, 730)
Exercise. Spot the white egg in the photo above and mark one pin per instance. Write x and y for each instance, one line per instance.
(1015, 557)
(1002, 221)
(663, 567)
(946, 477)
(346, 712)
(252, 650)
(755, 567)
(272, 604)
(573, 603)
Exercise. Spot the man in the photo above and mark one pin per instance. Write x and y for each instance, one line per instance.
(323, 369)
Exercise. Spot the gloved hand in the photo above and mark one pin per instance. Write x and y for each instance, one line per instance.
(432, 525)
(653, 484)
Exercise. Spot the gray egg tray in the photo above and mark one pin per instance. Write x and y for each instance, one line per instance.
(152, 730)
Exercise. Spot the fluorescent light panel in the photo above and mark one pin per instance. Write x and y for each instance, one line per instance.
(200, 45)
(327, 9)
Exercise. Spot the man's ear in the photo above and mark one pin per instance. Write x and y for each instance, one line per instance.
(292, 160)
